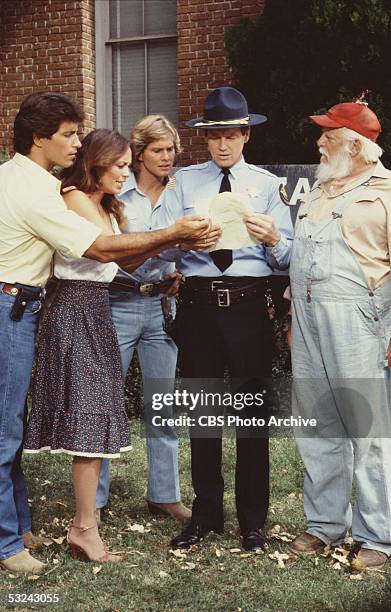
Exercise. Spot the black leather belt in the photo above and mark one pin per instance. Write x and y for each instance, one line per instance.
(222, 292)
(22, 294)
(30, 294)
(145, 289)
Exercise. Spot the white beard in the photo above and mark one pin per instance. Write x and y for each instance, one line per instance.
(337, 167)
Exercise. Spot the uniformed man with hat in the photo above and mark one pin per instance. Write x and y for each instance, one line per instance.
(222, 317)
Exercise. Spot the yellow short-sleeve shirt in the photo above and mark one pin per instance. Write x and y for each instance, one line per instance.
(35, 222)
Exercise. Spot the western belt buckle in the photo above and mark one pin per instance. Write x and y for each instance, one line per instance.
(146, 289)
(223, 299)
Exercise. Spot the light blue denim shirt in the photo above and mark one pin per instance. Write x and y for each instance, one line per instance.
(142, 217)
(203, 181)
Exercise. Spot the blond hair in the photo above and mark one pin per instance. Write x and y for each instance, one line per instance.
(149, 129)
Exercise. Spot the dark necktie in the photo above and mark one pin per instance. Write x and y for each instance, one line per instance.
(223, 257)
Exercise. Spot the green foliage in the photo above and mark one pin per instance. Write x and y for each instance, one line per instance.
(299, 58)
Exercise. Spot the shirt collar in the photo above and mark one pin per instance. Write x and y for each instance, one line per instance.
(37, 170)
(129, 185)
(379, 171)
(233, 170)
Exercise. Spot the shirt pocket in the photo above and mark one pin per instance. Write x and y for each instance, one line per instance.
(322, 260)
(259, 203)
(134, 223)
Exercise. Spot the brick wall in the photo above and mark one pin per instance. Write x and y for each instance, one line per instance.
(45, 45)
(49, 45)
(202, 61)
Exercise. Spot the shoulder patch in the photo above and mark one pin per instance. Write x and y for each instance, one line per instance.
(171, 182)
(283, 194)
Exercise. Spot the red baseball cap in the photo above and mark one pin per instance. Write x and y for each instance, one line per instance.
(353, 115)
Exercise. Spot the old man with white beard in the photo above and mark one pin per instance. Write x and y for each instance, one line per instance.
(341, 329)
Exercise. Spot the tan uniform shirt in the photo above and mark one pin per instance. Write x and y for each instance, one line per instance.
(366, 223)
(35, 222)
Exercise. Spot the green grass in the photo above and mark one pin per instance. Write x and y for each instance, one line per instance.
(153, 579)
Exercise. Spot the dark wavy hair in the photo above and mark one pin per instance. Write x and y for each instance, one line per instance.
(41, 114)
(100, 149)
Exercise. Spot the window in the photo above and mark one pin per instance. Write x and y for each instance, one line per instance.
(136, 71)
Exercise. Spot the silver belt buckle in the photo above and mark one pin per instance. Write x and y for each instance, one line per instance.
(43, 294)
(223, 299)
(146, 289)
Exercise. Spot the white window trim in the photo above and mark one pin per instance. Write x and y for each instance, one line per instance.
(103, 66)
(103, 63)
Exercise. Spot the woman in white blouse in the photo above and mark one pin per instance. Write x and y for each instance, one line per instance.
(78, 404)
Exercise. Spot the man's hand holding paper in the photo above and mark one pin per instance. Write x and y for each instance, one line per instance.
(228, 211)
(263, 228)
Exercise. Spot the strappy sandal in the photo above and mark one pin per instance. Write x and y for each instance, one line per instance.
(78, 551)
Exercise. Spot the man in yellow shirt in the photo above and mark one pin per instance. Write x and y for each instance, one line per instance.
(34, 222)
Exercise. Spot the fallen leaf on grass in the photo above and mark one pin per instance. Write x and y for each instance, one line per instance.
(341, 556)
(138, 528)
(358, 566)
(244, 555)
(33, 577)
(336, 566)
(235, 550)
(178, 554)
(279, 557)
(136, 552)
(277, 533)
(163, 574)
(356, 577)
(57, 540)
(189, 565)
(218, 552)
(61, 504)
(96, 569)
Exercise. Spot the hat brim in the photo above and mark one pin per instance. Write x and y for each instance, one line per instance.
(199, 123)
(325, 121)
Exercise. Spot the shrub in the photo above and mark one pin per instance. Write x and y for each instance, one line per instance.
(299, 58)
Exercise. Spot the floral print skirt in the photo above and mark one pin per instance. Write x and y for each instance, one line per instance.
(78, 401)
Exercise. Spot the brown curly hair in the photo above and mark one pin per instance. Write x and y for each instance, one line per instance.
(100, 149)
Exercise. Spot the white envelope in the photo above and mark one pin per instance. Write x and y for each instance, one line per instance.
(227, 210)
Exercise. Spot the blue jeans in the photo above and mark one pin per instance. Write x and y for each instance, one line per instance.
(138, 321)
(17, 341)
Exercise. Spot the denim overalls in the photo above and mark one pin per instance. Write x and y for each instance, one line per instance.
(340, 335)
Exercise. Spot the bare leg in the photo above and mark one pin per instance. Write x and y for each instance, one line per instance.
(85, 472)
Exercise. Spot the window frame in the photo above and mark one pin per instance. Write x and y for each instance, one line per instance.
(104, 46)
